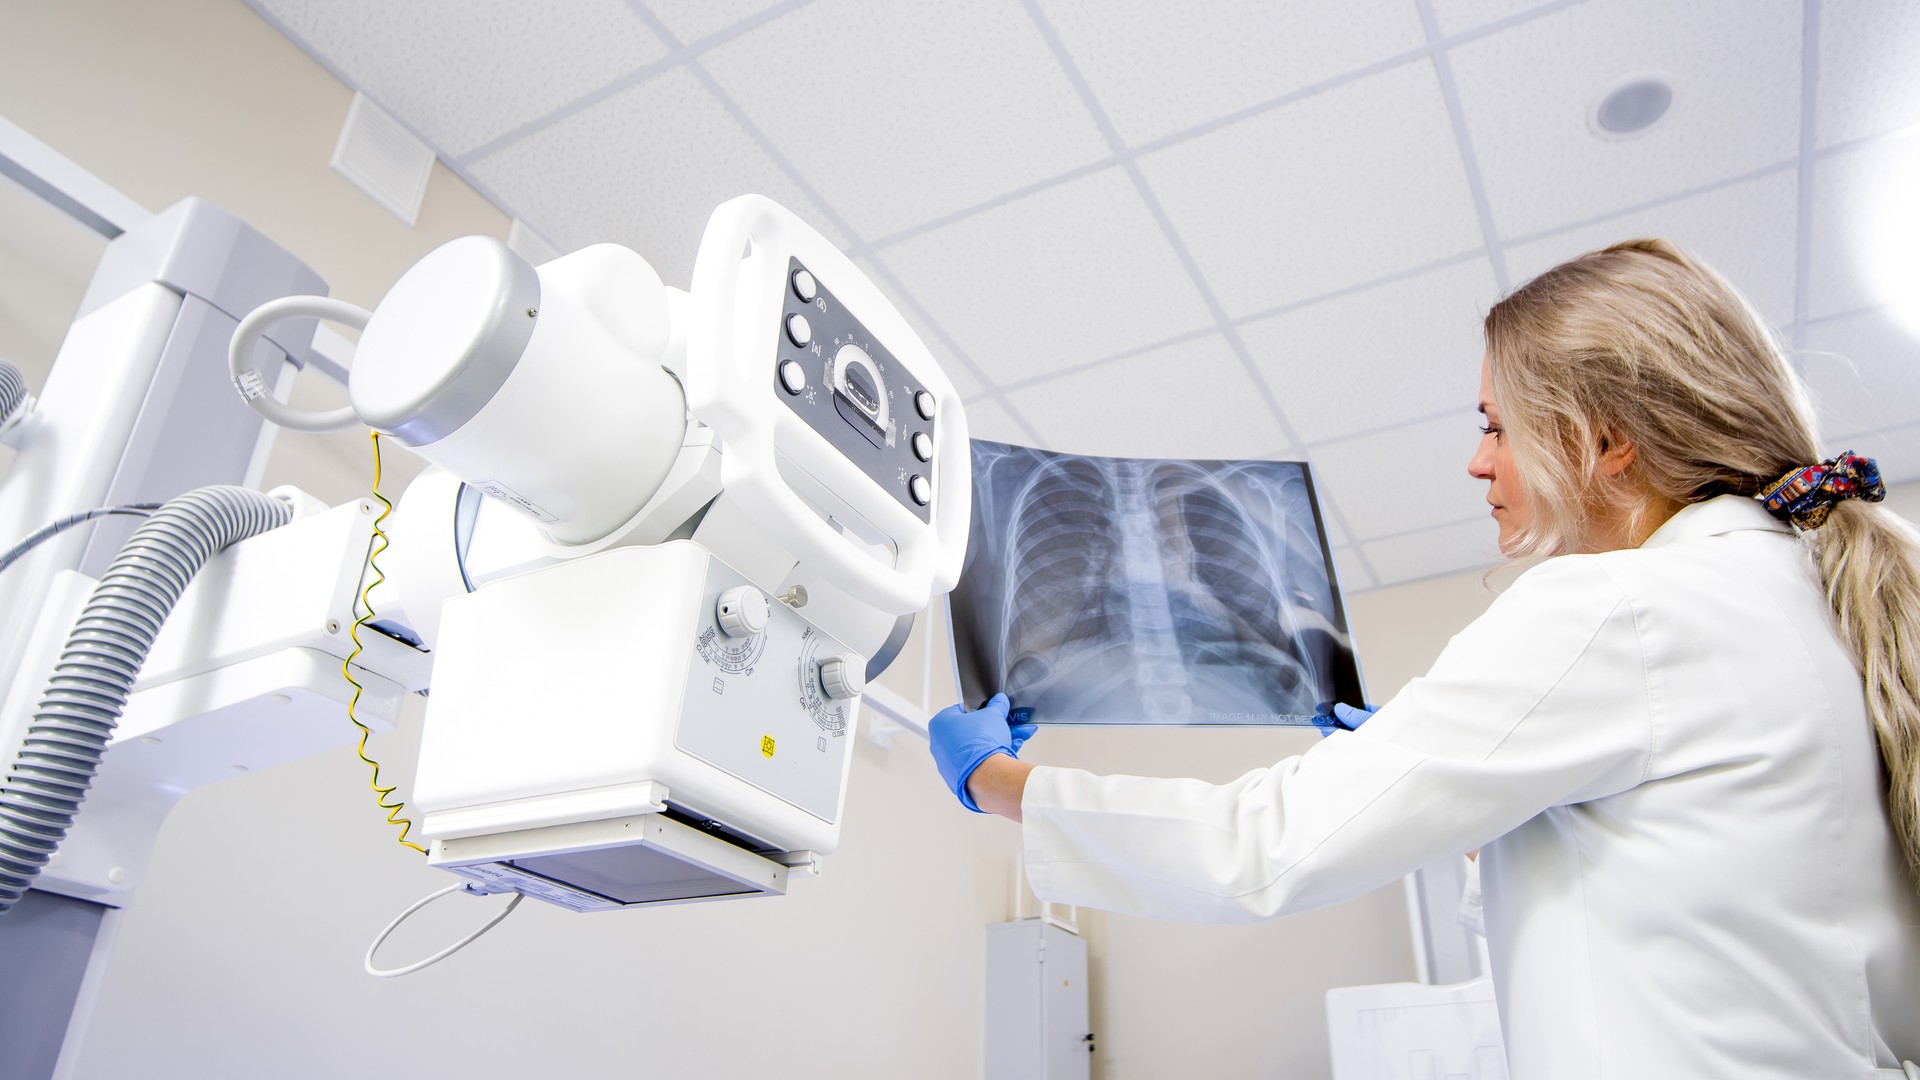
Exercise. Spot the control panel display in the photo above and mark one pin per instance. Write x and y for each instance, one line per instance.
(846, 385)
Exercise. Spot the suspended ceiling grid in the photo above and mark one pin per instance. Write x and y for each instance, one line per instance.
(1233, 229)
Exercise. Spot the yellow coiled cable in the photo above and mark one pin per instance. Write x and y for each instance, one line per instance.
(346, 666)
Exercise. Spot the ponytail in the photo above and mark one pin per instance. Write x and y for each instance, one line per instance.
(1870, 563)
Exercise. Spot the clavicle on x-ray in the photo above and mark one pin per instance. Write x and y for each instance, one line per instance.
(1131, 591)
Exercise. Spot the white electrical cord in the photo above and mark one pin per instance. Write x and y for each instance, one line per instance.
(255, 390)
(388, 973)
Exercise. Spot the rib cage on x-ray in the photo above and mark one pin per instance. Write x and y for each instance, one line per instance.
(1113, 590)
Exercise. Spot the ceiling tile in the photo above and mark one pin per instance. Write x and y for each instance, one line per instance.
(1869, 82)
(1449, 549)
(1333, 190)
(1866, 224)
(1746, 231)
(464, 74)
(693, 20)
(644, 168)
(1459, 16)
(1895, 450)
(1864, 370)
(1527, 92)
(1073, 273)
(1405, 478)
(1379, 357)
(957, 370)
(1352, 573)
(1158, 68)
(1191, 400)
(898, 114)
(988, 418)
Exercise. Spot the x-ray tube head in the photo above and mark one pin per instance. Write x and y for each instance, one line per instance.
(542, 388)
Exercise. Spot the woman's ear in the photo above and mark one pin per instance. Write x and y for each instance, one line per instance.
(1616, 454)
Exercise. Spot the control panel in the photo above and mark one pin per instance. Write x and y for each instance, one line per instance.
(770, 697)
(846, 385)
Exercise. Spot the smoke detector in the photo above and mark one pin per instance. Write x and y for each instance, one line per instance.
(1631, 107)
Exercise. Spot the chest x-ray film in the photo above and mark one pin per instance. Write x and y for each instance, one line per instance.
(1132, 591)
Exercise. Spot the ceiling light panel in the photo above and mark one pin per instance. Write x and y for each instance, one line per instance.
(1334, 190)
(1723, 226)
(1078, 272)
(1380, 357)
(1864, 371)
(644, 168)
(1527, 93)
(1866, 225)
(1411, 477)
(1190, 400)
(1449, 549)
(463, 74)
(899, 114)
(1160, 68)
(693, 21)
(1869, 78)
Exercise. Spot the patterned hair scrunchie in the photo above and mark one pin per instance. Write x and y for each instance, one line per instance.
(1806, 496)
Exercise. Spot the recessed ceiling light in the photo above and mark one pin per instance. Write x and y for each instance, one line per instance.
(1631, 106)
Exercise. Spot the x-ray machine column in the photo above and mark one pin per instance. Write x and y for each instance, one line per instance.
(138, 408)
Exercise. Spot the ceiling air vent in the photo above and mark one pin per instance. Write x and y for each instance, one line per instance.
(383, 159)
(530, 245)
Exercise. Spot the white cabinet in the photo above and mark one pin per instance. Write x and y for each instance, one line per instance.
(1037, 1003)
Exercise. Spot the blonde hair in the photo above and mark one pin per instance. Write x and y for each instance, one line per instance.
(1639, 345)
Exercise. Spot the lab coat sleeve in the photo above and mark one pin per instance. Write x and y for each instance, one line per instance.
(1540, 702)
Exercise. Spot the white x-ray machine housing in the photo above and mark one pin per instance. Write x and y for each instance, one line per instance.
(709, 517)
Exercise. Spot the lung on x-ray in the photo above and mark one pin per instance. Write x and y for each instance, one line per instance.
(1130, 591)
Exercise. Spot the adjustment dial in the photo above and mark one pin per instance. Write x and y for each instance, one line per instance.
(843, 677)
(742, 611)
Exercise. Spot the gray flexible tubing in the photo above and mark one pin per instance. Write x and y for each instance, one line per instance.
(13, 391)
(68, 736)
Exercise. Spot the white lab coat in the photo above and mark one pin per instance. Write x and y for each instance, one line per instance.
(1665, 759)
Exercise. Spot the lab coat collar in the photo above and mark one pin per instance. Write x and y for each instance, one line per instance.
(1721, 514)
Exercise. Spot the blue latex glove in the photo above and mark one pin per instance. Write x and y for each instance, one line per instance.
(961, 740)
(1331, 717)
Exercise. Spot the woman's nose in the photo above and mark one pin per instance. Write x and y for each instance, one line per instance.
(1480, 466)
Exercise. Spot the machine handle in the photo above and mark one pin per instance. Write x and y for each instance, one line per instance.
(899, 589)
(254, 390)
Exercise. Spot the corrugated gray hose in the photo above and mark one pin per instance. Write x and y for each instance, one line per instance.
(13, 390)
(102, 658)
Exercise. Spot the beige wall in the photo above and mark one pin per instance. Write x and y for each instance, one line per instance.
(241, 955)
(1173, 999)
(203, 98)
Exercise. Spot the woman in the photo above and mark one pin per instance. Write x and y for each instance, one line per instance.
(1696, 862)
